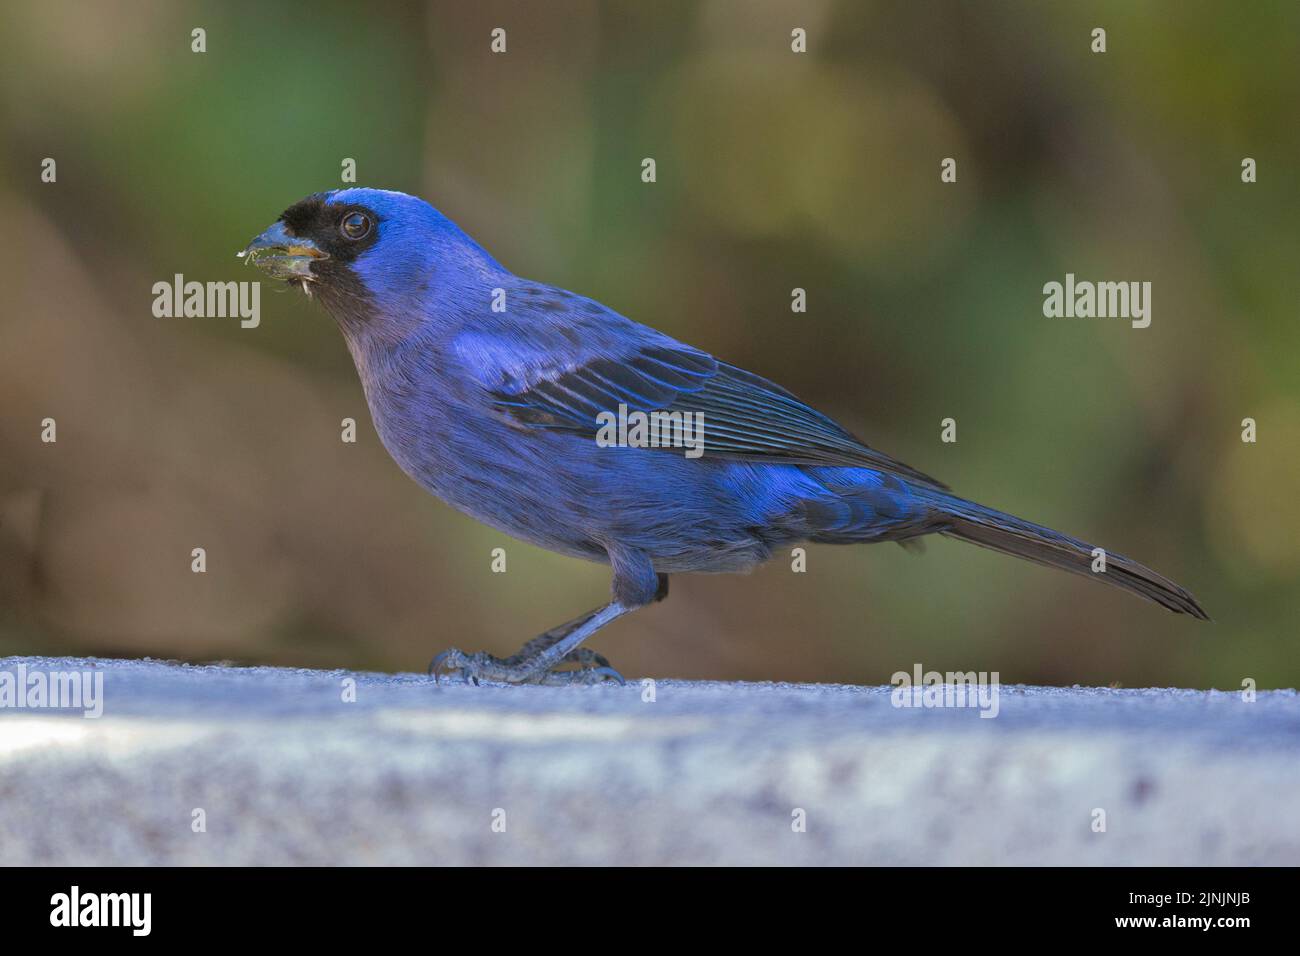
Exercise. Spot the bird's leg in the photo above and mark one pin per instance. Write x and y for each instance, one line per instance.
(591, 667)
(538, 656)
(543, 660)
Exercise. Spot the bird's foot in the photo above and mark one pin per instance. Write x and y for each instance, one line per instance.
(588, 668)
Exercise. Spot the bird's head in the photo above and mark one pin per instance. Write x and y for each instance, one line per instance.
(373, 257)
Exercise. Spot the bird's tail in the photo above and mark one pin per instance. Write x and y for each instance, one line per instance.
(968, 521)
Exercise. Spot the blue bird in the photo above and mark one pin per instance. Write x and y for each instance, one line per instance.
(494, 393)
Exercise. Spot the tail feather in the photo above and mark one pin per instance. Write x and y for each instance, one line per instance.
(967, 521)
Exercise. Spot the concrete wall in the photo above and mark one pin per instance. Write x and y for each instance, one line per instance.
(286, 769)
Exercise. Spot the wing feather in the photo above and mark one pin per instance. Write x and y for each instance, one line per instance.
(589, 360)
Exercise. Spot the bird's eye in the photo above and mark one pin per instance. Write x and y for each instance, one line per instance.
(355, 225)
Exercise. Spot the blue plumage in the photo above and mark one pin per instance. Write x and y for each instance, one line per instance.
(488, 390)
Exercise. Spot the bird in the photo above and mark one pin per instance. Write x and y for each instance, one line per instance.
(496, 393)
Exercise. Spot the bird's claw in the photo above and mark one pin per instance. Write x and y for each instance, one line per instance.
(453, 660)
(585, 676)
(472, 668)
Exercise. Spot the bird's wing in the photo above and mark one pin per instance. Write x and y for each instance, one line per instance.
(562, 376)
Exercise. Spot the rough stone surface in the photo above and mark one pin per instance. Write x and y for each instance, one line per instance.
(286, 771)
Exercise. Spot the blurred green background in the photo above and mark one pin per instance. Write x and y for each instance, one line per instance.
(775, 171)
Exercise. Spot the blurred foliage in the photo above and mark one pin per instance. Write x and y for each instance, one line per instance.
(775, 171)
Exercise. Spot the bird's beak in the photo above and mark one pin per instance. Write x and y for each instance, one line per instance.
(281, 255)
